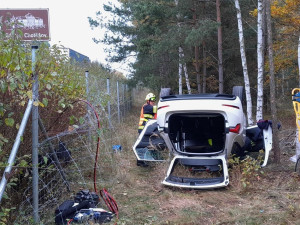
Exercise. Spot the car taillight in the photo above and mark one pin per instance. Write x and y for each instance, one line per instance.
(165, 106)
(232, 106)
(235, 129)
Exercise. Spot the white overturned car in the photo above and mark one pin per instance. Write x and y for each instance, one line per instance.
(200, 131)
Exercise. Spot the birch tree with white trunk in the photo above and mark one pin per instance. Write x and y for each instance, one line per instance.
(244, 63)
(180, 78)
(188, 86)
(260, 61)
(182, 66)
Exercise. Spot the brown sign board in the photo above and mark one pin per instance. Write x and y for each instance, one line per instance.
(34, 23)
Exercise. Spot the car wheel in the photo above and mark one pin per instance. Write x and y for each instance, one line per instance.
(239, 92)
(164, 92)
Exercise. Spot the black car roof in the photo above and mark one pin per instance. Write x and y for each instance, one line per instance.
(198, 96)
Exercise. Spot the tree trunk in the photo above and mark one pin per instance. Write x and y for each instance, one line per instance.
(181, 57)
(197, 68)
(179, 64)
(204, 71)
(272, 86)
(282, 83)
(188, 86)
(197, 58)
(220, 58)
(244, 63)
(260, 61)
(180, 76)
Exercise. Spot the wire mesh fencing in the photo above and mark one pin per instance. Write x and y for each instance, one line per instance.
(77, 150)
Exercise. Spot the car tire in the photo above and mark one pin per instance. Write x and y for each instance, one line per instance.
(164, 92)
(239, 92)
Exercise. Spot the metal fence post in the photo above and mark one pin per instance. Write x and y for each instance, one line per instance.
(123, 100)
(11, 159)
(35, 139)
(108, 103)
(118, 103)
(98, 103)
(128, 100)
(88, 107)
(87, 84)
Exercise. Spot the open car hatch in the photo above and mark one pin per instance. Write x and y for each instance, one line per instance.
(197, 172)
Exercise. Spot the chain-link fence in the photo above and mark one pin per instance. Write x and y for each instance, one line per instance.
(77, 150)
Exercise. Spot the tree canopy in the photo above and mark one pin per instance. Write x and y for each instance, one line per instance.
(151, 31)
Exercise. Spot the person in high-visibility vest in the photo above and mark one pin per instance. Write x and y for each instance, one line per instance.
(148, 111)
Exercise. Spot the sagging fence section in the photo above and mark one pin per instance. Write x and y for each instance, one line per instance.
(67, 149)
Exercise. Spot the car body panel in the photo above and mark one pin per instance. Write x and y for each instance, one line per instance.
(267, 134)
(197, 183)
(174, 112)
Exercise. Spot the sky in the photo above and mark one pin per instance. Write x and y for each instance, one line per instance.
(69, 25)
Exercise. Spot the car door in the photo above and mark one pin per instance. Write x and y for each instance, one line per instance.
(268, 142)
(259, 138)
(150, 146)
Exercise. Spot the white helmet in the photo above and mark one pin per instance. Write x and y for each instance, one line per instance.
(150, 97)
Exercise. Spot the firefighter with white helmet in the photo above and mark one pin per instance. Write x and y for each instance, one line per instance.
(148, 111)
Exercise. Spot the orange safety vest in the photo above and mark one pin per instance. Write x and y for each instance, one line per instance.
(145, 117)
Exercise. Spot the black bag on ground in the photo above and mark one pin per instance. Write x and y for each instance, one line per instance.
(64, 212)
(67, 210)
(85, 195)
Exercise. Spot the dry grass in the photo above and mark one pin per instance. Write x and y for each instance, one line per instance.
(271, 198)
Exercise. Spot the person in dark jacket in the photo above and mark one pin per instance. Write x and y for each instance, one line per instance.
(148, 111)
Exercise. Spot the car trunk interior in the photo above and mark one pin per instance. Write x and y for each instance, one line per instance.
(197, 133)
